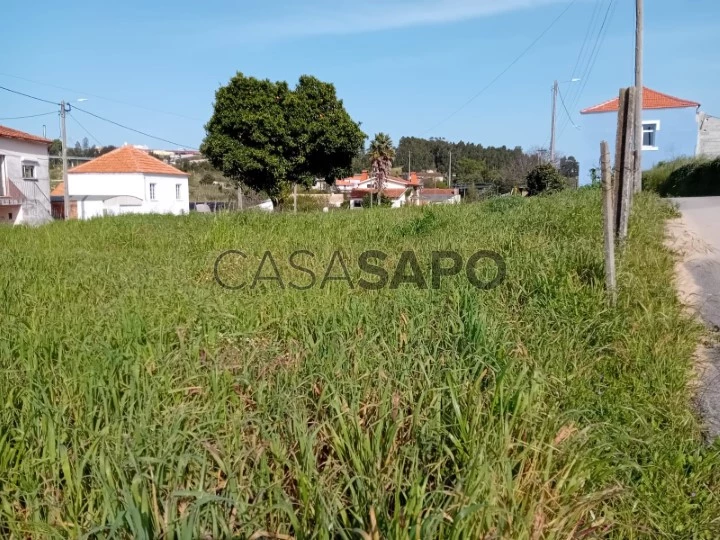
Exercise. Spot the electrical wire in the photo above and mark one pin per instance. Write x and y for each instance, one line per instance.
(594, 54)
(133, 129)
(508, 68)
(102, 97)
(599, 41)
(597, 10)
(93, 137)
(29, 96)
(569, 117)
(29, 116)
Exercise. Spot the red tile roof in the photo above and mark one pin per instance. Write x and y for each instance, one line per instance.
(126, 159)
(59, 190)
(10, 133)
(651, 100)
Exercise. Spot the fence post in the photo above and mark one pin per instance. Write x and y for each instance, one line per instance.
(624, 162)
(608, 222)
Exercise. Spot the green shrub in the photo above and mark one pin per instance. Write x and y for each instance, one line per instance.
(545, 179)
(684, 177)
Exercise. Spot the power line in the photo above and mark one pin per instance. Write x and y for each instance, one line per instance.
(599, 41)
(508, 68)
(29, 96)
(85, 130)
(594, 54)
(102, 97)
(569, 117)
(579, 60)
(586, 40)
(29, 116)
(133, 129)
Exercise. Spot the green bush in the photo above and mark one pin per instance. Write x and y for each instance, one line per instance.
(684, 177)
(545, 179)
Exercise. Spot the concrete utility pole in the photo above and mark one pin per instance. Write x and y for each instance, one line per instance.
(450, 171)
(639, 97)
(554, 122)
(66, 194)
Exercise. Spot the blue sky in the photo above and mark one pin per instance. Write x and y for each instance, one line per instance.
(401, 66)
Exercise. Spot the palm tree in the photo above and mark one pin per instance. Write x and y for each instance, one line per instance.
(382, 154)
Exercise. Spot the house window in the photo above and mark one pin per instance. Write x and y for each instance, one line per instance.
(10, 216)
(650, 130)
(177, 191)
(28, 171)
(152, 191)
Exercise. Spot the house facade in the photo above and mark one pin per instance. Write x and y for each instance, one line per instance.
(670, 130)
(127, 181)
(24, 178)
(708, 136)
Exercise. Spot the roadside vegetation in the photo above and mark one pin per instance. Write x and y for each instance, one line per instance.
(138, 399)
(684, 177)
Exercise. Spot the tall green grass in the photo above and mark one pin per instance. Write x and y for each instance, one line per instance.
(140, 400)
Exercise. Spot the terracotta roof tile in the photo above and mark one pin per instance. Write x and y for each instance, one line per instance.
(651, 100)
(126, 159)
(59, 190)
(10, 133)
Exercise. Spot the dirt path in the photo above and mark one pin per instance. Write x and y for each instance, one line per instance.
(696, 237)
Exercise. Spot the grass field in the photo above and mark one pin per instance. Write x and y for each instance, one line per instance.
(140, 399)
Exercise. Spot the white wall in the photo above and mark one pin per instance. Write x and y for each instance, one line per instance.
(109, 185)
(36, 206)
(89, 189)
(165, 201)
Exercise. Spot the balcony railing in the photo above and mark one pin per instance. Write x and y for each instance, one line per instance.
(10, 194)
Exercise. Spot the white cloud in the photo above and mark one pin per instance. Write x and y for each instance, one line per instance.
(328, 17)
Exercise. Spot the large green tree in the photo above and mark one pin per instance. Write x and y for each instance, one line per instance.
(268, 136)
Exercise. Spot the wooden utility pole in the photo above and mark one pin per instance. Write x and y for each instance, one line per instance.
(450, 171)
(63, 134)
(639, 97)
(554, 122)
(608, 221)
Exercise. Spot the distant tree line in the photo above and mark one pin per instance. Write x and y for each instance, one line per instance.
(81, 149)
(472, 163)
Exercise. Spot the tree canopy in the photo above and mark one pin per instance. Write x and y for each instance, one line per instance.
(267, 135)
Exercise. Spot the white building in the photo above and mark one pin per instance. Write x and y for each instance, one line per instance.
(24, 178)
(127, 181)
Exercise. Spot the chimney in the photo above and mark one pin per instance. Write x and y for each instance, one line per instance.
(364, 175)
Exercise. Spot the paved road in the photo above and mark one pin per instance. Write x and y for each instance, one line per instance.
(697, 237)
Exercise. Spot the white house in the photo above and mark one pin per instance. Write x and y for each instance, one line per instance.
(24, 178)
(127, 181)
(398, 197)
(365, 181)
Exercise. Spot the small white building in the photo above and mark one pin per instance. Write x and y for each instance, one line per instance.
(127, 181)
(24, 178)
